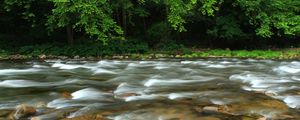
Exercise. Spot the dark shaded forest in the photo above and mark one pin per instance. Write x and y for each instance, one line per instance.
(138, 25)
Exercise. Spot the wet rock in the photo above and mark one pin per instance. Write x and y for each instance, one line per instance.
(257, 109)
(53, 114)
(208, 118)
(77, 57)
(66, 95)
(62, 57)
(23, 110)
(124, 95)
(87, 117)
(43, 56)
(41, 105)
(220, 109)
(50, 116)
(17, 56)
(99, 116)
(263, 118)
(284, 117)
(274, 104)
(177, 56)
(91, 58)
(211, 108)
(270, 94)
(269, 105)
(266, 93)
(5, 113)
(117, 57)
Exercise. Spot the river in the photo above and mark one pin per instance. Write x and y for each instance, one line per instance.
(163, 89)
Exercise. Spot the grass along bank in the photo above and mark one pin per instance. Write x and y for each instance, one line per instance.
(256, 54)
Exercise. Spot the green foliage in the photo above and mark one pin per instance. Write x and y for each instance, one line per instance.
(226, 27)
(92, 16)
(273, 14)
(158, 22)
(158, 32)
(88, 49)
(3, 53)
(257, 54)
(180, 9)
(170, 46)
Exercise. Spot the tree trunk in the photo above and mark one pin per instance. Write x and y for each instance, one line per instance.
(124, 20)
(70, 35)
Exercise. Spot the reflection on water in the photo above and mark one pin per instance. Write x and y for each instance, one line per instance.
(212, 89)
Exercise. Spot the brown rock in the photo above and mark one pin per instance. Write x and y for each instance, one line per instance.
(128, 95)
(208, 118)
(263, 118)
(66, 95)
(211, 108)
(41, 105)
(43, 56)
(23, 110)
(285, 117)
(35, 118)
(261, 104)
(4, 113)
(273, 104)
(77, 57)
(270, 94)
(198, 109)
(88, 117)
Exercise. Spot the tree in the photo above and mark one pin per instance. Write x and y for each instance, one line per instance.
(280, 17)
(94, 17)
(180, 9)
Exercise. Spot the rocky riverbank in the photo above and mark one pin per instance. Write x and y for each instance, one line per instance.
(283, 54)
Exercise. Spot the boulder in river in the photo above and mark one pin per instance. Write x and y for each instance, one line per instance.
(66, 95)
(99, 116)
(4, 114)
(23, 110)
(268, 108)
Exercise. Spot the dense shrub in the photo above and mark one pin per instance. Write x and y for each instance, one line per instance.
(87, 49)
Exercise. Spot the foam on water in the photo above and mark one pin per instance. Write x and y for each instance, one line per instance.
(103, 71)
(287, 69)
(39, 66)
(124, 88)
(146, 97)
(18, 71)
(292, 101)
(296, 78)
(174, 96)
(109, 64)
(65, 103)
(70, 66)
(217, 66)
(81, 98)
(91, 94)
(171, 82)
(29, 83)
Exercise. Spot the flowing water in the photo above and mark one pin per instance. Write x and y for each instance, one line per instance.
(202, 89)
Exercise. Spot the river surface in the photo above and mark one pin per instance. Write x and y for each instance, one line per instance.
(171, 89)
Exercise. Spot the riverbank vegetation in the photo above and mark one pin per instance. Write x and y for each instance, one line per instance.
(140, 51)
(191, 28)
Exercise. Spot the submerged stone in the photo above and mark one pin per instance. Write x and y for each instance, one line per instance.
(23, 110)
